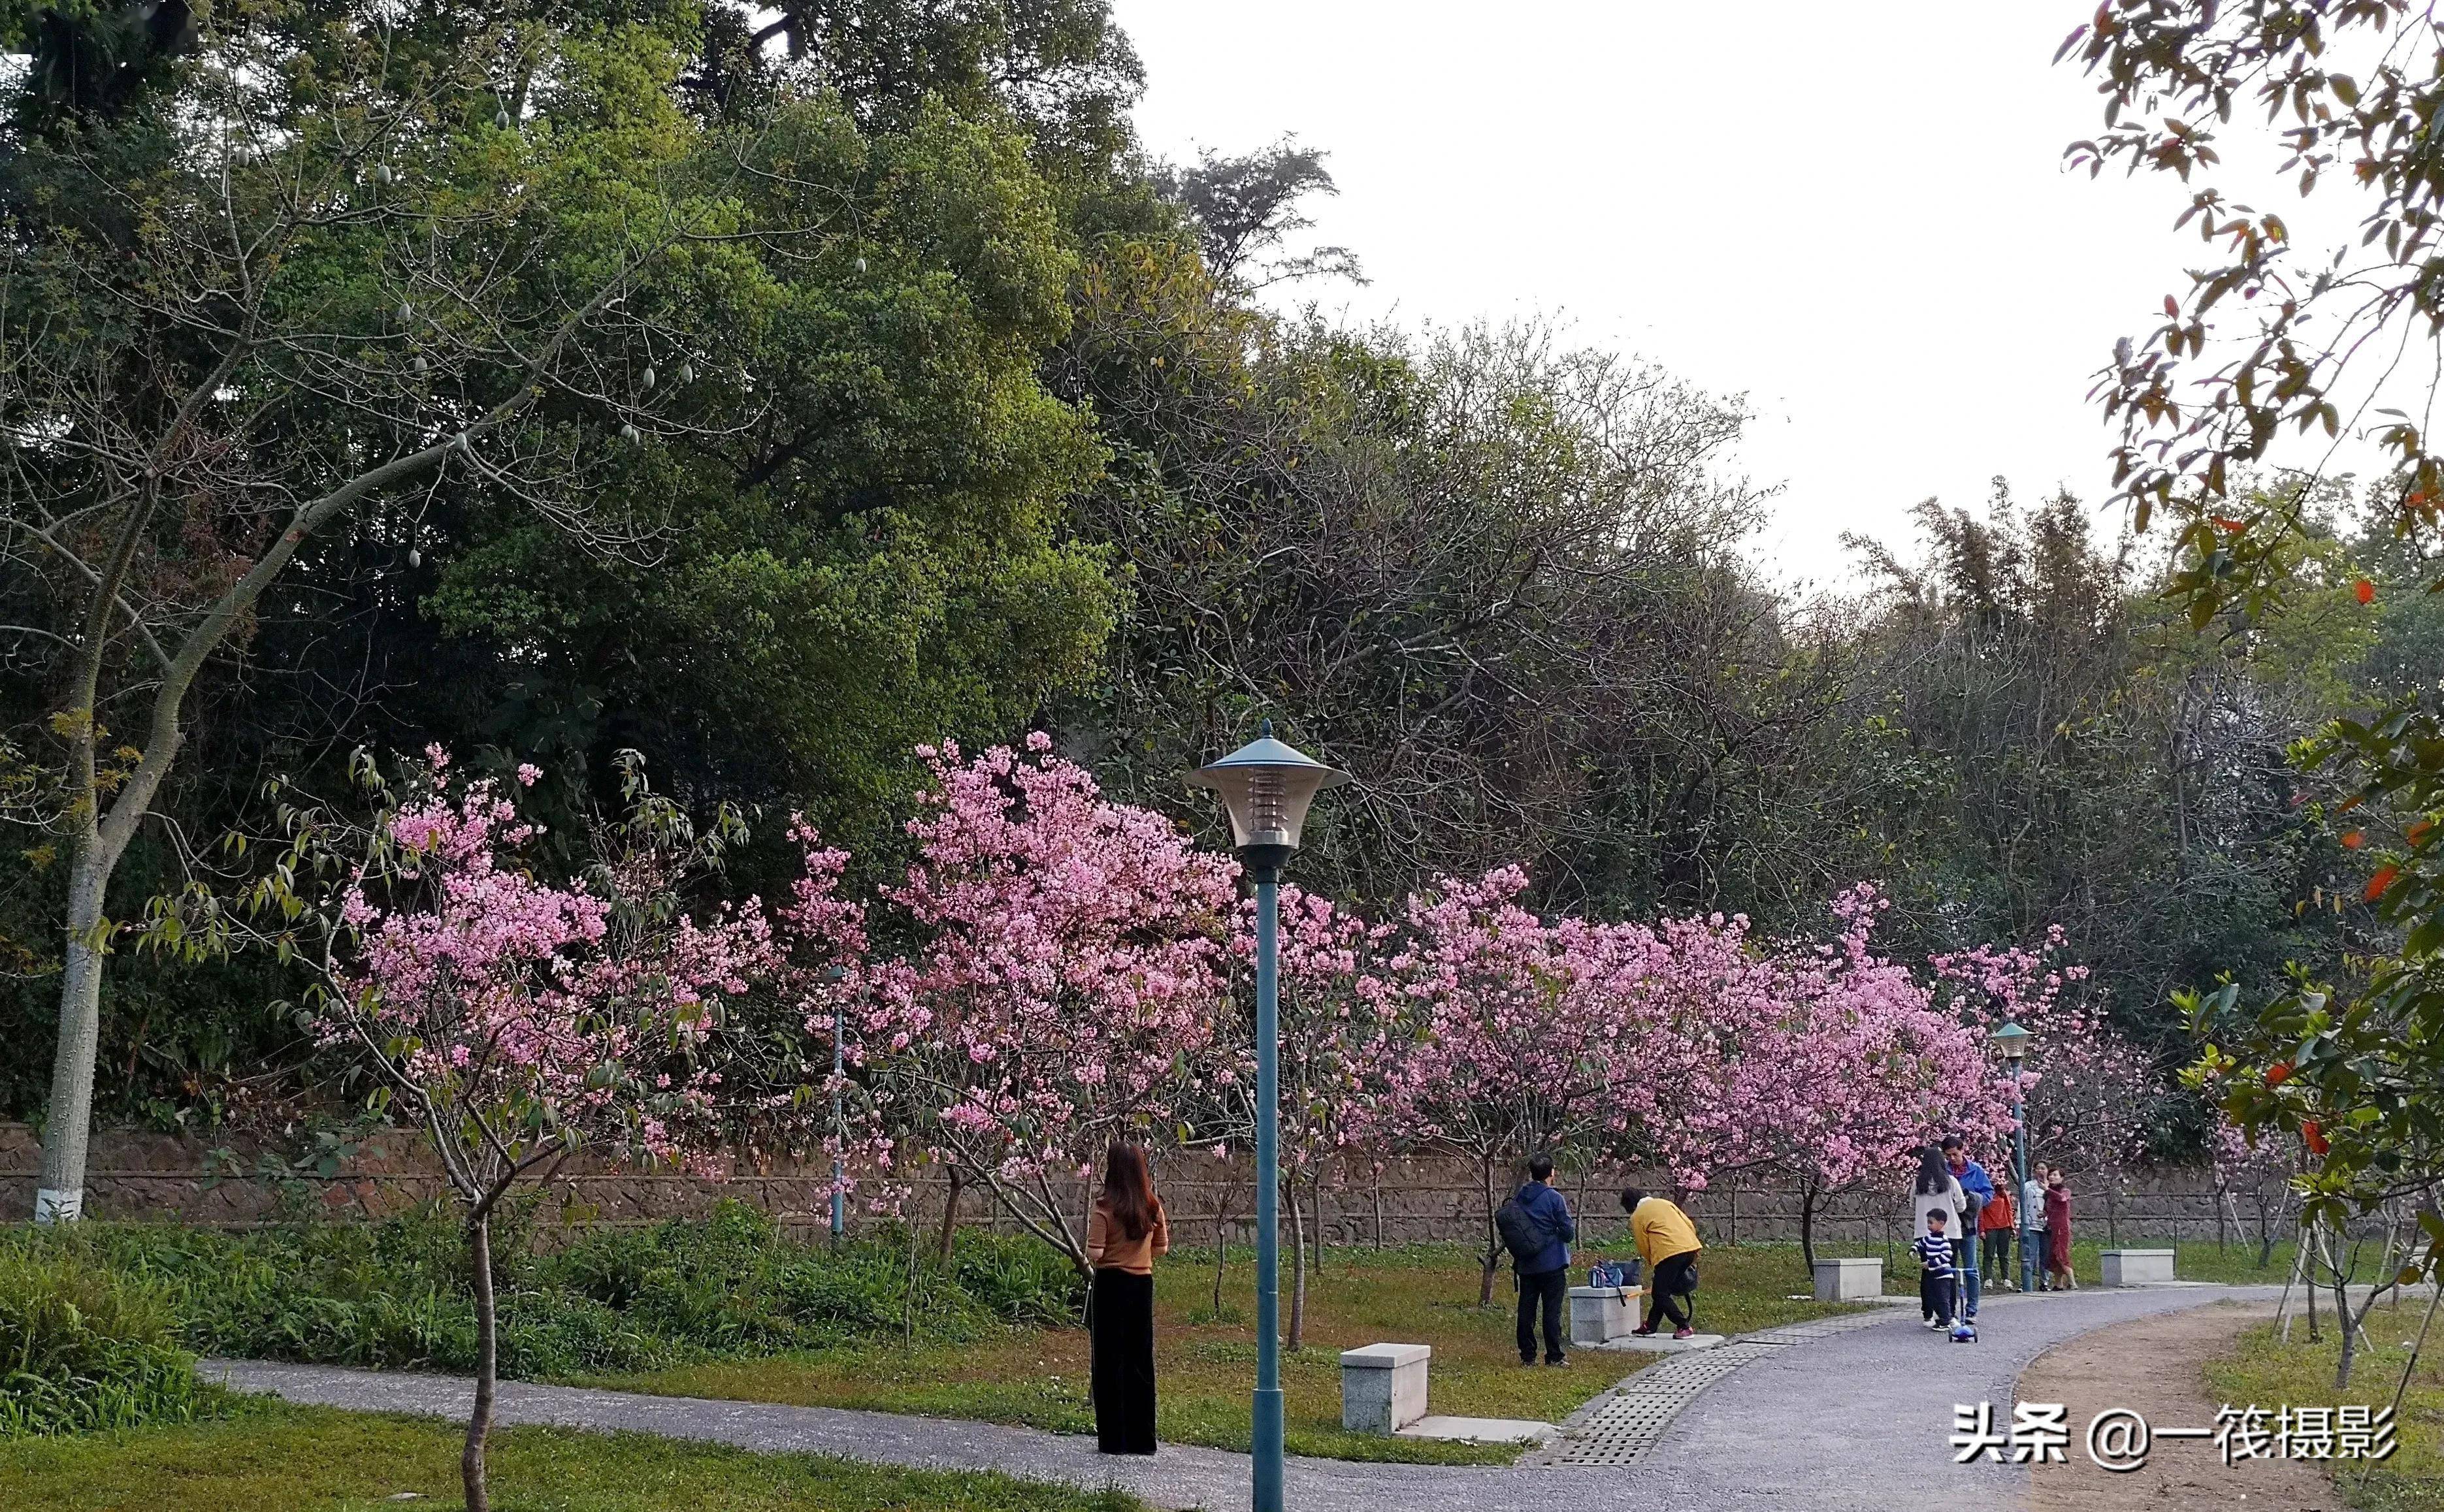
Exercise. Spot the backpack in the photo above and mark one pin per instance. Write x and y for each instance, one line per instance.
(1522, 1233)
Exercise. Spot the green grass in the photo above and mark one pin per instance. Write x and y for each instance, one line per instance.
(273, 1458)
(2270, 1373)
(1419, 1295)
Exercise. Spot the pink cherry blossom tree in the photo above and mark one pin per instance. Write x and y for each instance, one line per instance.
(519, 1021)
(2263, 1170)
(1846, 1065)
(2092, 1094)
(1516, 1028)
(1064, 977)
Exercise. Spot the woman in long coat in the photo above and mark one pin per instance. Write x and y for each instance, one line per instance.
(2058, 1272)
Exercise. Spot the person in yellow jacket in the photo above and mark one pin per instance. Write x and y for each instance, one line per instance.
(1667, 1241)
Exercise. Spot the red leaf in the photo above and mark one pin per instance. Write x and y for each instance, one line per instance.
(2364, 590)
(2172, 307)
(2381, 880)
(2278, 1073)
(2353, 839)
(2316, 1138)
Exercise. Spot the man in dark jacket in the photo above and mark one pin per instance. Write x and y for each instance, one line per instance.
(1979, 1187)
(1544, 1277)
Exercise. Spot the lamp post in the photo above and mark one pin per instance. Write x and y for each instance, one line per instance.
(2014, 1043)
(1266, 786)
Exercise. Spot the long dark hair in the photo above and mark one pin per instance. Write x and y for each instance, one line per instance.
(1128, 1190)
(1934, 1175)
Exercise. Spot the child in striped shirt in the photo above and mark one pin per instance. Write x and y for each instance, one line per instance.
(1935, 1277)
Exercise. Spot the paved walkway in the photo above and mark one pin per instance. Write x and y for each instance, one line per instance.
(1854, 1422)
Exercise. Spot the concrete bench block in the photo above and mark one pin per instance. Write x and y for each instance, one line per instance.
(1849, 1279)
(2136, 1267)
(1383, 1387)
(1599, 1314)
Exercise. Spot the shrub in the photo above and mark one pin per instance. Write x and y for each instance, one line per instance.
(85, 1348)
(395, 1293)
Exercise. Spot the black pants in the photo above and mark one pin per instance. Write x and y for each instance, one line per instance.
(1998, 1256)
(1935, 1297)
(1550, 1290)
(1673, 1280)
(1122, 1322)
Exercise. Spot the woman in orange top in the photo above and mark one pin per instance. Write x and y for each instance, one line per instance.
(1125, 1237)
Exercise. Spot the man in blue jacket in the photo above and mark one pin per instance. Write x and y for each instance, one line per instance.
(1544, 1274)
(1980, 1188)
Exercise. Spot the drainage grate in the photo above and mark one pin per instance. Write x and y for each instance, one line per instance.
(1629, 1423)
(1635, 1417)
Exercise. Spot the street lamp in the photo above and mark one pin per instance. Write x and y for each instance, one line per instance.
(2013, 1041)
(1267, 787)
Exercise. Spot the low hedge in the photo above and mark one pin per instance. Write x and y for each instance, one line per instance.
(395, 1293)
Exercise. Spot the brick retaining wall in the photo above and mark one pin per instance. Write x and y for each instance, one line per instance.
(151, 1176)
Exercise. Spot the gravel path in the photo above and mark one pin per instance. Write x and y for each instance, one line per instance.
(1852, 1423)
(2156, 1367)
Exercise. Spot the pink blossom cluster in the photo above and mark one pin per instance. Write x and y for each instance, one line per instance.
(2091, 1094)
(518, 1019)
(1065, 970)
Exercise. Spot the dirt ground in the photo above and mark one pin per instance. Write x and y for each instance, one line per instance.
(2154, 1367)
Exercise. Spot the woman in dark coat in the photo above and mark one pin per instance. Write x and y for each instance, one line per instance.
(1125, 1235)
(2057, 1271)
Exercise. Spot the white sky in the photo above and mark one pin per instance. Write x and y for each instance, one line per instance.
(1855, 214)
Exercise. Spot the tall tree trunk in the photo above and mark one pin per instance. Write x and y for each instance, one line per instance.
(951, 1208)
(2310, 1287)
(1221, 1252)
(1298, 1267)
(59, 1196)
(1492, 1236)
(1315, 1204)
(2343, 1312)
(1807, 1228)
(480, 1422)
(1378, 1210)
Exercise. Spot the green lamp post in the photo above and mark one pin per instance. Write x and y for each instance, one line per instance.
(1266, 786)
(2013, 1041)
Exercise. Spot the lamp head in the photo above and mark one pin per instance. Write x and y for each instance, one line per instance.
(1267, 787)
(2012, 1040)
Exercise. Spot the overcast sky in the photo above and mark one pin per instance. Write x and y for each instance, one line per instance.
(1855, 214)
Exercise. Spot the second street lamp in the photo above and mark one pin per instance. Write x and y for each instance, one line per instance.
(1267, 787)
(2014, 1043)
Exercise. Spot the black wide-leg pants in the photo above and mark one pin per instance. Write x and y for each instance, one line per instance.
(1123, 1322)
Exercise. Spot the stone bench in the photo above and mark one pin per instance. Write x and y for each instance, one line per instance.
(1849, 1279)
(1599, 1314)
(1383, 1387)
(2136, 1267)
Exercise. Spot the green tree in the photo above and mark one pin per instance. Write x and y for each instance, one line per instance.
(318, 325)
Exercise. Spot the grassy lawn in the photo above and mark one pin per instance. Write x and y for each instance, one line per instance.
(1418, 1294)
(271, 1458)
(2270, 1373)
